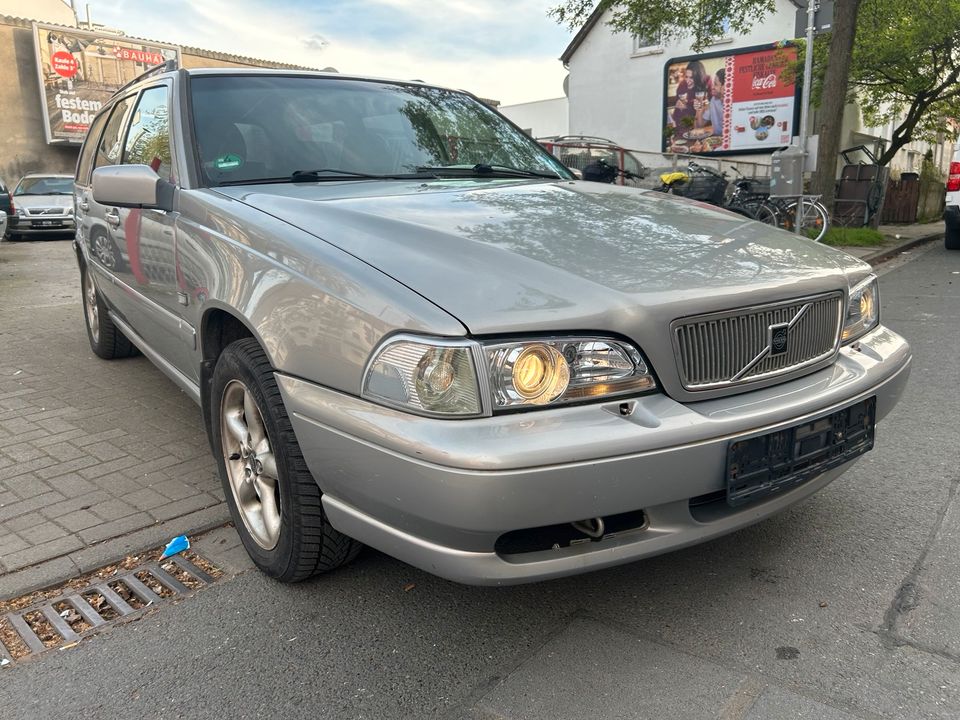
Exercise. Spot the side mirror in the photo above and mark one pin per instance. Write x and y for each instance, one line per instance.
(131, 186)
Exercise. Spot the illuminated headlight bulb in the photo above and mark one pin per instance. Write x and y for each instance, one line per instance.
(540, 374)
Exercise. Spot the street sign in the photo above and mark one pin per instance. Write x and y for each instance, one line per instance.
(823, 20)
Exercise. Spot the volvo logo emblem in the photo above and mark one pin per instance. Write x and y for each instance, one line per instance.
(778, 338)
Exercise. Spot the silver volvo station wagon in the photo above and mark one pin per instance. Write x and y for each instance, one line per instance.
(408, 326)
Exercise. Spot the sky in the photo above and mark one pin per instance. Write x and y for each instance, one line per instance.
(505, 50)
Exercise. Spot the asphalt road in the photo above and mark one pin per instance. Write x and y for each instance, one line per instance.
(847, 606)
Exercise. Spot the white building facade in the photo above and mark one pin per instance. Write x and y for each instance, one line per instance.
(541, 118)
(617, 89)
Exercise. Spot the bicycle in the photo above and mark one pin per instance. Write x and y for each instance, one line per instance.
(814, 218)
(708, 185)
(781, 211)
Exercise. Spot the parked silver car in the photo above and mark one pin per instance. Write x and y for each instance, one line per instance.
(408, 326)
(44, 207)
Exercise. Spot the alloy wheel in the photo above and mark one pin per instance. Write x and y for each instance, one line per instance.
(91, 307)
(250, 463)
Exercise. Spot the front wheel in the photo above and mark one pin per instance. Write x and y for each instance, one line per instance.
(273, 498)
(767, 214)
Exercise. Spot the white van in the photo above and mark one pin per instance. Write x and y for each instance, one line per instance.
(951, 213)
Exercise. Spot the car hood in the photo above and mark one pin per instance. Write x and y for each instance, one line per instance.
(509, 256)
(42, 201)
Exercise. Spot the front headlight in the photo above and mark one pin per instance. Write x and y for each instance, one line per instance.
(863, 310)
(464, 378)
(562, 370)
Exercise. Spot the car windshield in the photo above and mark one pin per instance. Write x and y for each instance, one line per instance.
(45, 186)
(251, 128)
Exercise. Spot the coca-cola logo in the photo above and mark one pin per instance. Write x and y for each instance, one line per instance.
(765, 83)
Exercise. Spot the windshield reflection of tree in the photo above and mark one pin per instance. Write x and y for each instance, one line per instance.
(632, 241)
(455, 129)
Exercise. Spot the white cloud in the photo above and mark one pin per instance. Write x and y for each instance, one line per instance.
(296, 35)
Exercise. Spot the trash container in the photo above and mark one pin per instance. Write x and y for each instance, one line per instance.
(786, 172)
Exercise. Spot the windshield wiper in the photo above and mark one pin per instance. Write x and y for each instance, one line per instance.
(326, 174)
(485, 170)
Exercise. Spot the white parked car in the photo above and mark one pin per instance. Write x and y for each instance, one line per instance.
(951, 212)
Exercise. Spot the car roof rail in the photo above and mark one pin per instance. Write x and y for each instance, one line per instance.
(163, 67)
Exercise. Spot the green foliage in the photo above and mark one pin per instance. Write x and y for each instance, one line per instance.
(906, 67)
(859, 237)
(929, 172)
(703, 21)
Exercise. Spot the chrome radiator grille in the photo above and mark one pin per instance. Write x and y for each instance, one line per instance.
(748, 344)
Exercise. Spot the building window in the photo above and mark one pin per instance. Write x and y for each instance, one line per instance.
(650, 45)
(727, 36)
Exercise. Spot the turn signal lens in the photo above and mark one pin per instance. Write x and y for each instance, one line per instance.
(426, 376)
(435, 375)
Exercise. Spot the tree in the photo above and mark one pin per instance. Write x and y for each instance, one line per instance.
(705, 21)
(906, 68)
(834, 98)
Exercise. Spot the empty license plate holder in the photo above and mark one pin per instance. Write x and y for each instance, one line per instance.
(771, 463)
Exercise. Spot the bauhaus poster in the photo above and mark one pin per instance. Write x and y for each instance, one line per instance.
(80, 70)
(736, 102)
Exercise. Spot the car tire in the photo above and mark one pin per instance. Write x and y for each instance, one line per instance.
(951, 240)
(106, 339)
(273, 498)
(11, 237)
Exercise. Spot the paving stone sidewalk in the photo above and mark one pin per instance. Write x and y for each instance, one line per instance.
(96, 457)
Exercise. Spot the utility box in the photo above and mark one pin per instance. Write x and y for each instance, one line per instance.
(786, 172)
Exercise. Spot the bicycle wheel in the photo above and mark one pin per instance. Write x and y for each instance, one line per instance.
(814, 219)
(765, 213)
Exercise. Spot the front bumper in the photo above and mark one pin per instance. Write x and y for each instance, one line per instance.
(31, 225)
(439, 493)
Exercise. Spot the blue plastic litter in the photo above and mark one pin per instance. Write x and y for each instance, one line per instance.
(177, 545)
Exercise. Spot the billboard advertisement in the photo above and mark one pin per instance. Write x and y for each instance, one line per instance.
(743, 101)
(79, 71)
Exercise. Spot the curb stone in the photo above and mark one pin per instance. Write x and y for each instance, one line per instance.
(57, 570)
(886, 253)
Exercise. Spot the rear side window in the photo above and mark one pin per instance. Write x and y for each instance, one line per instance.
(148, 140)
(111, 144)
(85, 164)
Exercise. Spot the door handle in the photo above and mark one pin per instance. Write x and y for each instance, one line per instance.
(112, 218)
(84, 205)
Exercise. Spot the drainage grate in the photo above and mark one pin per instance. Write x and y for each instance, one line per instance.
(63, 618)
